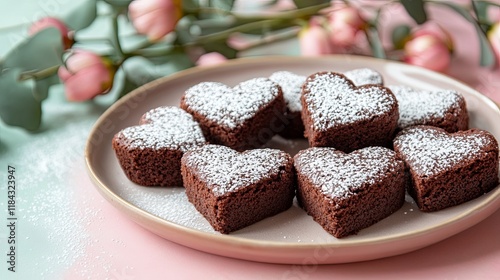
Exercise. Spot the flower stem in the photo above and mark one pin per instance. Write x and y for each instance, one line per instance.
(38, 75)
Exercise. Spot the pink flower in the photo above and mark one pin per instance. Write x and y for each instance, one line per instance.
(86, 75)
(155, 18)
(314, 40)
(212, 58)
(436, 31)
(494, 37)
(47, 22)
(344, 24)
(427, 51)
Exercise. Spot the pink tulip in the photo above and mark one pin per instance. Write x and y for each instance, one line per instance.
(47, 22)
(494, 37)
(155, 18)
(86, 75)
(344, 24)
(436, 31)
(314, 40)
(427, 51)
(212, 58)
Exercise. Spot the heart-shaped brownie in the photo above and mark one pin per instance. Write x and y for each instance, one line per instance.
(442, 108)
(448, 169)
(233, 190)
(242, 117)
(338, 114)
(150, 153)
(345, 193)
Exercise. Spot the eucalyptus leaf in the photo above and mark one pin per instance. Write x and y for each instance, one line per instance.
(190, 6)
(487, 55)
(128, 85)
(118, 3)
(41, 51)
(224, 5)
(400, 35)
(416, 9)
(308, 3)
(222, 48)
(18, 107)
(42, 86)
(375, 43)
(83, 15)
(481, 11)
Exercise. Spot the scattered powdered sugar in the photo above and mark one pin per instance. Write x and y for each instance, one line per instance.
(364, 76)
(231, 106)
(164, 127)
(421, 106)
(430, 151)
(291, 85)
(340, 175)
(225, 170)
(332, 100)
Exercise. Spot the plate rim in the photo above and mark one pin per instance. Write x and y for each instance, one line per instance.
(117, 201)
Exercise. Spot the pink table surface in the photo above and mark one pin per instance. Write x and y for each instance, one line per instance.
(114, 247)
(139, 254)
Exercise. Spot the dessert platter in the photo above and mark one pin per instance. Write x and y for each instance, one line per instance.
(214, 158)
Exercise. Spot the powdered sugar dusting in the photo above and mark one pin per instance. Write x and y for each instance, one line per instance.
(291, 85)
(164, 127)
(421, 106)
(430, 151)
(364, 76)
(225, 170)
(231, 106)
(340, 175)
(332, 100)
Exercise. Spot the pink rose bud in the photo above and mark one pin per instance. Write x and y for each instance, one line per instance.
(345, 23)
(53, 22)
(155, 18)
(86, 75)
(314, 40)
(494, 37)
(436, 31)
(427, 51)
(212, 58)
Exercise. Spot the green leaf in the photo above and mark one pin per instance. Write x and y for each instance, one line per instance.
(224, 5)
(82, 16)
(481, 11)
(487, 55)
(308, 3)
(416, 9)
(190, 5)
(400, 36)
(42, 86)
(18, 107)
(375, 43)
(118, 3)
(41, 51)
(128, 85)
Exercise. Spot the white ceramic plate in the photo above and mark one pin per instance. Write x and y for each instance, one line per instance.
(292, 236)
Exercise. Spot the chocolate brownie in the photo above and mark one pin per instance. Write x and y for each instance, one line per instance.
(345, 193)
(150, 153)
(448, 169)
(233, 190)
(243, 117)
(291, 84)
(338, 114)
(442, 108)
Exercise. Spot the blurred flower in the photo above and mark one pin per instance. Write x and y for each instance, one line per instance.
(436, 31)
(212, 58)
(155, 18)
(429, 48)
(86, 75)
(47, 22)
(344, 25)
(314, 40)
(494, 37)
